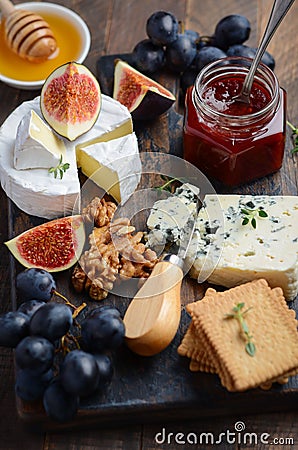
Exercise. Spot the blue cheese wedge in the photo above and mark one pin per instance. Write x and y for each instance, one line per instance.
(36, 145)
(233, 252)
(226, 250)
(169, 216)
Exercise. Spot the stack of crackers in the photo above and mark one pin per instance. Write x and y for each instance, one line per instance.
(216, 343)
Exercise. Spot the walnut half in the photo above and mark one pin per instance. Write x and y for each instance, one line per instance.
(114, 252)
(99, 211)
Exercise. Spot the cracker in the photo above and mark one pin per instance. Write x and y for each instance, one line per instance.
(271, 323)
(193, 347)
(189, 342)
(194, 366)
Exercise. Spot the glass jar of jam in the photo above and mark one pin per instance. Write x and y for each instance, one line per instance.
(230, 141)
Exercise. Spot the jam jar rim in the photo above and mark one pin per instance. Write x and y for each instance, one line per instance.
(271, 105)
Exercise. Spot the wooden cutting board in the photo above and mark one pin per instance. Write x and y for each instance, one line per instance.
(158, 388)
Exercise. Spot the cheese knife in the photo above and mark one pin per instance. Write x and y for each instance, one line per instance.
(153, 316)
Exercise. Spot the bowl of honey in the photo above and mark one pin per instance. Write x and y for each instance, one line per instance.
(73, 44)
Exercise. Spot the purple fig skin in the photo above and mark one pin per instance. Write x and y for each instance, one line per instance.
(152, 106)
(150, 101)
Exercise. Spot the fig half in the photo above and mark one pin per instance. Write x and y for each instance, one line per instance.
(53, 246)
(144, 98)
(70, 100)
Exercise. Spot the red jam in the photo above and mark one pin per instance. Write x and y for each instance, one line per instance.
(220, 96)
(230, 141)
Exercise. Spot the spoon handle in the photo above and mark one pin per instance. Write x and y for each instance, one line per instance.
(279, 10)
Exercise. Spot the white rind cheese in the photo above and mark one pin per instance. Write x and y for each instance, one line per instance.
(36, 145)
(114, 165)
(36, 191)
(226, 252)
(114, 121)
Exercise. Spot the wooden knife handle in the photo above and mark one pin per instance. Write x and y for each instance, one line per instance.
(153, 316)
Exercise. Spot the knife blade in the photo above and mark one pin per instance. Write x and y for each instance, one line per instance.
(188, 231)
(153, 316)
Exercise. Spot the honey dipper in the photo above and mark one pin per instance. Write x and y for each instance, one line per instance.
(27, 33)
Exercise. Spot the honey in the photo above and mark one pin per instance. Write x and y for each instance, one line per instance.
(69, 43)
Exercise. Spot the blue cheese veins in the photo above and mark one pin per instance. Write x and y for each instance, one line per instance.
(169, 216)
(244, 253)
(224, 251)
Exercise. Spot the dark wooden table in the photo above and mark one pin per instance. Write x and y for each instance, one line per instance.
(116, 26)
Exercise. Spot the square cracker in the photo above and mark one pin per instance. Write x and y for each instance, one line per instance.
(271, 323)
(193, 347)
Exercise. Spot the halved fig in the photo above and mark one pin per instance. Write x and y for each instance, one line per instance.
(53, 246)
(70, 100)
(144, 97)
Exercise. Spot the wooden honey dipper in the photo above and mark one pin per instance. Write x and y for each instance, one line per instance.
(27, 34)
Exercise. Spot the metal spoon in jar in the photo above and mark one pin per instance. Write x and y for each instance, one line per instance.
(279, 10)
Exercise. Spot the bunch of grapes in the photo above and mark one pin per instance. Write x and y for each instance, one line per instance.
(186, 52)
(58, 360)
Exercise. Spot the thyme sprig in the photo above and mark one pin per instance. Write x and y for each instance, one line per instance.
(60, 169)
(295, 137)
(250, 215)
(239, 315)
(167, 186)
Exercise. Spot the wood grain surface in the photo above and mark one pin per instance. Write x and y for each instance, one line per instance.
(116, 26)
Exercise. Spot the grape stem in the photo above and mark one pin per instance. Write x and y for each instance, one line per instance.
(64, 345)
(77, 309)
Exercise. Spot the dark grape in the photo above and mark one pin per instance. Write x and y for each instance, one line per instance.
(102, 332)
(267, 59)
(231, 30)
(193, 36)
(147, 57)
(188, 78)
(35, 353)
(181, 53)
(14, 326)
(250, 52)
(29, 307)
(35, 283)
(207, 55)
(79, 373)
(112, 310)
(241, 50)
(31, 387)
(206, 41)
(52, 321)
(105, 368)
(58, 404)
(162, 28)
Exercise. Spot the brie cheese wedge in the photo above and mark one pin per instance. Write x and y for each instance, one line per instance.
(113, 165)
(36, 144)
(36, 191)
